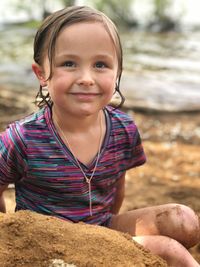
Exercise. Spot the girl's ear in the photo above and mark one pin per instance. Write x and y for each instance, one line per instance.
(37, 69)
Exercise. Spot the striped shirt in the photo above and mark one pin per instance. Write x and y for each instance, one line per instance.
(46, 176)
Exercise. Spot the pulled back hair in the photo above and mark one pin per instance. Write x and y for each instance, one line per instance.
(46, 36)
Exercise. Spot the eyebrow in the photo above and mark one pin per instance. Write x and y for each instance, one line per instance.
(67, 56)
(105, 56)
(74, 56)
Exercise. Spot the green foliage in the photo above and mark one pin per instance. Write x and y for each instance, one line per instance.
(68, 2)
(161, 8)
(163, 21)
(28, 6)
(31, 24)
(120, 12)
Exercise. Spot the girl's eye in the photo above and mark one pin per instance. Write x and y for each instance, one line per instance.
(69, 64)
(100, 65)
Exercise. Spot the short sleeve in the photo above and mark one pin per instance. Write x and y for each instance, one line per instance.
(125, 146)
(12, 155)
(137, 155)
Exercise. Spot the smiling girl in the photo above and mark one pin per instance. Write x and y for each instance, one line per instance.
(70, 158)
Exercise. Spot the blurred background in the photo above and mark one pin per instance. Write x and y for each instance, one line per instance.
(161, 42)
(161, 83)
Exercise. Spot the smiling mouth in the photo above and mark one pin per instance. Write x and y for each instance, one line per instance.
(85, 96)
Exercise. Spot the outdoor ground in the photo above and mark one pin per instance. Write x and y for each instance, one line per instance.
(172, 171)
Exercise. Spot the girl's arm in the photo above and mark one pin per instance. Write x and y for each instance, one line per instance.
(119, 196)
(2, 202)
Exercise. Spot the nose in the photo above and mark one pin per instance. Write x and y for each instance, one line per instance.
(85, 78)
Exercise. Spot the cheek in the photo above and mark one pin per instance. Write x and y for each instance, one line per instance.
(58, 85)
(108, 84)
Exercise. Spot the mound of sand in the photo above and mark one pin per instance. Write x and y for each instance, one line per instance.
(29, 239)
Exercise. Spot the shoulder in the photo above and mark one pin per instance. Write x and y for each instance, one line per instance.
(125, 137)
(123, 127)
(33, 120)
(17, 132)
(117, 113)
(120, 119)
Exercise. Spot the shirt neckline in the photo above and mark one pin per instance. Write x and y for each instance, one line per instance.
(66, 150)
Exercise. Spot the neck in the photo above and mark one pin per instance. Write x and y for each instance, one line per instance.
(73, 124)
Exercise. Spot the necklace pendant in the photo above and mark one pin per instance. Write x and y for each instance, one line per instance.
(88, 180)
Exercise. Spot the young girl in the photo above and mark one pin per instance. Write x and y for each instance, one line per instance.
(70, 158)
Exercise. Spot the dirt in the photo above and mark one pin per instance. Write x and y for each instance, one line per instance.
(172, 172)
(32, 240)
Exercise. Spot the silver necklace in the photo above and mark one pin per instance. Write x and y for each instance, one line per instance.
(87, 179)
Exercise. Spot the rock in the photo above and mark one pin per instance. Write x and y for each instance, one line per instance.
(145, 93)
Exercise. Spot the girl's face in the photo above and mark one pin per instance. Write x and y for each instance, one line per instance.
(84, 71)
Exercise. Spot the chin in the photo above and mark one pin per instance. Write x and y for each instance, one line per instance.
(88, 112)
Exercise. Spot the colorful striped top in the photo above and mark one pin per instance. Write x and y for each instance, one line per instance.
(47, 178)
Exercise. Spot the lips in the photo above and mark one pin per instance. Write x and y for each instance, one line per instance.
(84, 93)
(85, 96)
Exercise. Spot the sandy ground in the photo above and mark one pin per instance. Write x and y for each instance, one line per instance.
(29, 239)
(172, 172)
